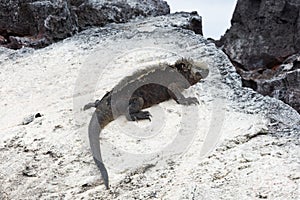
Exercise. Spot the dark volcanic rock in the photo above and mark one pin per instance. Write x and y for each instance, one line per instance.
(99, 13)
(264, 33)
(39, 23)
(194, 23)
(285, 85)
(35, 23)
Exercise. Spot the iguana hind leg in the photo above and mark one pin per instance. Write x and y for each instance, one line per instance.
(134, 110)
(93, 104)
(141, 115)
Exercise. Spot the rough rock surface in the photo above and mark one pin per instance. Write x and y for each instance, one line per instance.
(36, 24)
(284, 83)
(257, 155)
(263, 34)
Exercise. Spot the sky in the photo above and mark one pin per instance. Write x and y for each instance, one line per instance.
(216, 14)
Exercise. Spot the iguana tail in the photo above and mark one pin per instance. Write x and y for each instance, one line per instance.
(94, 132)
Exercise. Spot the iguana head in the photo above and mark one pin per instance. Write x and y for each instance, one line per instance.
(192, 71)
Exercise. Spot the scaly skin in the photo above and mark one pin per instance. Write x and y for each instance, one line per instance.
(142, 90)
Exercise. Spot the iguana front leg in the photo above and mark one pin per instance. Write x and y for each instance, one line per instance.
(175, 93)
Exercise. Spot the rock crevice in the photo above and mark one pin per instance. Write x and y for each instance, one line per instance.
(263, 36)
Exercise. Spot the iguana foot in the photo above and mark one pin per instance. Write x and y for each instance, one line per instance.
(89, 105)
(140, 115)
(188, 101)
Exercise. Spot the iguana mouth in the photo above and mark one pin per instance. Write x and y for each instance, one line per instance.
(203, 73)
(200, 70)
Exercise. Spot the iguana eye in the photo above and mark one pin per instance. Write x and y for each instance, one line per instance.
(180, 67)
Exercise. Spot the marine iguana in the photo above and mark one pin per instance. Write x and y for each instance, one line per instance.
(142, 90)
